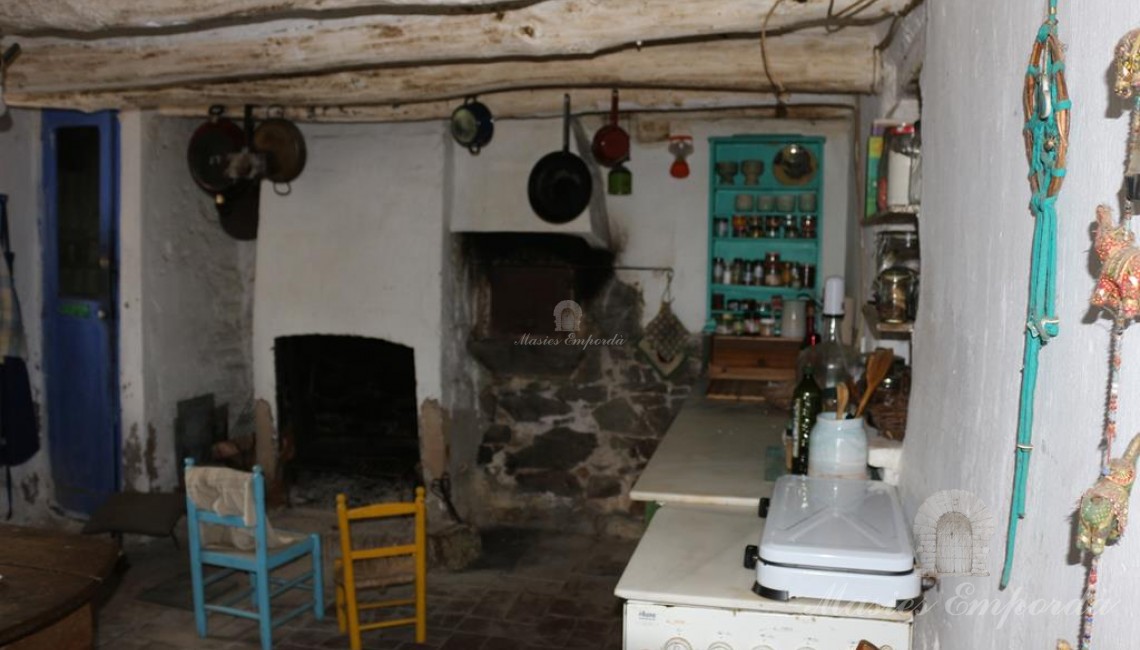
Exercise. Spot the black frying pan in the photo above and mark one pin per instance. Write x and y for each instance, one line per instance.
(560, 184)
(210, 148)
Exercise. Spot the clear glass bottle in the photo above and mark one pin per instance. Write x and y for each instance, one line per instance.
(832, 362)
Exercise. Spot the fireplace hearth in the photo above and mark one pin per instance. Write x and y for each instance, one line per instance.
(349, 404)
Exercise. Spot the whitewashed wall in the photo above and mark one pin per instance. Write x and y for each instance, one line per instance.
(20, 174)
(185, 299)
(976, 233)
(357, 247)
(664, 223)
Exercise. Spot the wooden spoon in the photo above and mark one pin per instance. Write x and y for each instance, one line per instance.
(841, 397)
(877, 368)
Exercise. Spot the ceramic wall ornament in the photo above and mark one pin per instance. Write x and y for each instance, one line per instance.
(1103, 512)
(1103, 515)
(1127, 86)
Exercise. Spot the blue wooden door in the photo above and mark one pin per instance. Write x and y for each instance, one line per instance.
(81, 179)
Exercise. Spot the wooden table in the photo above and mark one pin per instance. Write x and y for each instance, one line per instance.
(49, 579)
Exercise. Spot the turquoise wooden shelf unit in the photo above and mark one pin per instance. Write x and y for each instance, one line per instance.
(765, 222)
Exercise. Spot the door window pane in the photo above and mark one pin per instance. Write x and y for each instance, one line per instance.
(77, 198)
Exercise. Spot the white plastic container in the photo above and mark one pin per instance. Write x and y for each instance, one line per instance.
(794, 320)
(838, 448)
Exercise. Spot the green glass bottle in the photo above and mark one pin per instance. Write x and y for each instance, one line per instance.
(807, 401)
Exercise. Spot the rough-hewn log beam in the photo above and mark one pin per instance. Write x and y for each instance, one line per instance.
(803, 62)
(555, 28)
(79, 16)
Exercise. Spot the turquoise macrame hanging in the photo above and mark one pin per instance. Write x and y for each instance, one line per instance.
(1047, 105)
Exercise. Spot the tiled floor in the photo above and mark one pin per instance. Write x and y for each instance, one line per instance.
(529, 591)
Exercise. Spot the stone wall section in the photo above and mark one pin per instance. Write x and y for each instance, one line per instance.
(562, 452)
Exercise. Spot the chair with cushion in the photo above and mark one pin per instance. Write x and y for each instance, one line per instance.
(228, 529)
(367, 566)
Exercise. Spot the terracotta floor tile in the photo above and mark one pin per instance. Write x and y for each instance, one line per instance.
(544, 590)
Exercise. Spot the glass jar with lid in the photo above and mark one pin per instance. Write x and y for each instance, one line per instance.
(896, 293)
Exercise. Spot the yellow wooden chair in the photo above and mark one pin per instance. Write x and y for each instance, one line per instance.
(350, 579)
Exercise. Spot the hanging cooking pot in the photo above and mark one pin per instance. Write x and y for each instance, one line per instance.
(210, 149)
(472, 125)
(239, 208)
(611, 142)
(560, 185)
(284, 148)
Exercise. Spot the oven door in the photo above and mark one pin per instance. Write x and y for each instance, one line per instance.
(651, 626)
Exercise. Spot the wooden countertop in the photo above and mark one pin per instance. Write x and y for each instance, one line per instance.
(47, 575)
(716, 453)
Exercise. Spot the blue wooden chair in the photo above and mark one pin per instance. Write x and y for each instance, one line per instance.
(259, 563)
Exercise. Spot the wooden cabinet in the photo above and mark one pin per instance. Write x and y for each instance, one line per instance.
(790, 193)
(765, 204)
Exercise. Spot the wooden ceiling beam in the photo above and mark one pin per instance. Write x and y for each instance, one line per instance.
(548, 30)
(804, 62)
(78, 17)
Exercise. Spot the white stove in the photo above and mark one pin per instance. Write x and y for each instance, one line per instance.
(837, 540)
(687, 589)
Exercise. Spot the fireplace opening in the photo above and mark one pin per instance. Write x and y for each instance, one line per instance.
(522, 280)
(349, 404)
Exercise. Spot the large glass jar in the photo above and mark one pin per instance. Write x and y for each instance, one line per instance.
(896, 295)
(894, 249)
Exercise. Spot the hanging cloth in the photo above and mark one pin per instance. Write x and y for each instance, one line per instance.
(1046, 104)
(19, 435)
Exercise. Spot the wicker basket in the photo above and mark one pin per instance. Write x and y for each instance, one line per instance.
(888, 409)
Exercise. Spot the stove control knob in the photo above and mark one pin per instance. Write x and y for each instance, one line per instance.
(677, 643)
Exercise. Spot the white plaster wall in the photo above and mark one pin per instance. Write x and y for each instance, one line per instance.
(357, 247)
(976, 237)
(20, 174)
(186, 295)
(664, 223)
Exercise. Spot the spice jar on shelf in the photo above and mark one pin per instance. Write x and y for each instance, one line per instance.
(723, 227)
(725, 325)
(751, 323)
(772, 226)
(756, 227)
(739, 225)
(807, 227)
(772, 270)
(791, 228)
